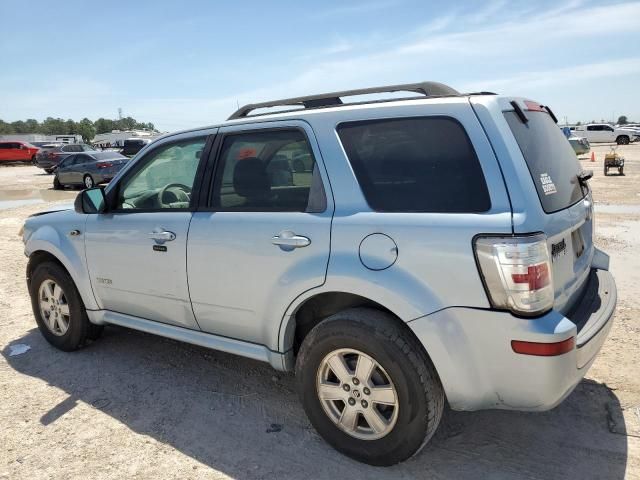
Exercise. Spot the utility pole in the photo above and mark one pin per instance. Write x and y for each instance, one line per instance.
(119, 113)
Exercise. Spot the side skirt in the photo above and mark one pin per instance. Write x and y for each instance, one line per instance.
(207, 340)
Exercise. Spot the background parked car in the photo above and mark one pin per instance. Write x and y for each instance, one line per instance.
(20, 151)
(603, 133)
(580, 145)
(51, 155)
(88, 169)
(634, 130)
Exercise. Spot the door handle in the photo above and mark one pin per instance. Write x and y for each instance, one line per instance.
(287, 240)
(162, 236)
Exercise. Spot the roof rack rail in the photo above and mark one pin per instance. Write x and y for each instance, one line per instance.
(428, 89)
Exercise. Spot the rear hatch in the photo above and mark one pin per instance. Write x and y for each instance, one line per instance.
(564, 197)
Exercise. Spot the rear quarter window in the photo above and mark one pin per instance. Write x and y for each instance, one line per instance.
(424, 164)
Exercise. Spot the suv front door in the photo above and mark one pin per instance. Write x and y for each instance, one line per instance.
(263, 236)
(136, 252)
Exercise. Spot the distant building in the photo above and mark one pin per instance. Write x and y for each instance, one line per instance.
(38, 137)
(117, 137)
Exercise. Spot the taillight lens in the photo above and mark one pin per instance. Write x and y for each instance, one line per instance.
(517, 273)
(104, 164)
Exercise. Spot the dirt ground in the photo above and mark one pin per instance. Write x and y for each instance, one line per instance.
(138, 406)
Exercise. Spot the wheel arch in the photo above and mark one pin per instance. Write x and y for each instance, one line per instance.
(45, 246)
(313, 309)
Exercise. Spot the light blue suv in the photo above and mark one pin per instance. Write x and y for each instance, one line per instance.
(396, 254)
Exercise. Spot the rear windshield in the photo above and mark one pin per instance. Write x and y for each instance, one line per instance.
(416, 165)
(552, 162)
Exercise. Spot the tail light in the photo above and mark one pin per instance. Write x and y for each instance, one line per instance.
(53, 155)
(104, 164)
(517, 273)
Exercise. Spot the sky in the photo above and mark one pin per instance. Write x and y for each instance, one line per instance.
(183, 64)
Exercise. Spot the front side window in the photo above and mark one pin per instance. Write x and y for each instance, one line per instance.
(267, 171)
(166, 178)
(424, 164)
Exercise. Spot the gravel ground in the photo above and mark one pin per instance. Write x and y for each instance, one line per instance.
(138, 406)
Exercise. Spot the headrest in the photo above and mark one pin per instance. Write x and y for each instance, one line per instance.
(250, 179)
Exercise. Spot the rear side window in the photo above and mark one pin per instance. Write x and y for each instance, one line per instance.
(271, 170)
(550, 158)
(425, 164)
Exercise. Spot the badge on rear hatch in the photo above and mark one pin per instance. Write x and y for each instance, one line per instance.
(548, 187)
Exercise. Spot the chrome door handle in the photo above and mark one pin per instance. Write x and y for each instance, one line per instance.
(288, 240)
(162, 236)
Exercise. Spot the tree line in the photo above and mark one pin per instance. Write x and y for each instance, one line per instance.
(85, 127)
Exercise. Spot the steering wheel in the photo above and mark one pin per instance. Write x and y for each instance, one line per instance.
(178, 190)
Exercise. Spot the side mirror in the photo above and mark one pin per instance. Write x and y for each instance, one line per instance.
(91, 201)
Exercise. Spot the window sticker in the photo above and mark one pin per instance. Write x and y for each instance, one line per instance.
(548, 186)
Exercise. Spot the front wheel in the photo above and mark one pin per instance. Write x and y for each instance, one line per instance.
(88, 181)
(368, 387)
(58, 308)
(56, 183)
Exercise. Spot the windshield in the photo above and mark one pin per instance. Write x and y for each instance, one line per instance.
(550, 158)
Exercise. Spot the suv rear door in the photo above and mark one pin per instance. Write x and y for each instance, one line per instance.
(262, 236)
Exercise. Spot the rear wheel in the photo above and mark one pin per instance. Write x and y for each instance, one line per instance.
(56, 183)
(58, 308)
(606, 171)
(621, 170)
(368, 387)
(88, 181)
(622, 140)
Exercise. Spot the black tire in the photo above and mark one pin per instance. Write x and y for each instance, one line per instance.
(80, 329)
(621, 170)
(622, 140)
(391, 344)
(606, 171)
(49, 171)
(56, 183)
(87, 182)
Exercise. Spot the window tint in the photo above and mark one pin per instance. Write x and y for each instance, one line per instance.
(165, 179)
(268, 171)
(67, 161)
(415, 165)
(552, 162)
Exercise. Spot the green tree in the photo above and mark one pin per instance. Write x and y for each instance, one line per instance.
(86, 129)
(53, 126)
(19, 127)
(32, 125)
(622, 120)
(6, 128)
(104, 126)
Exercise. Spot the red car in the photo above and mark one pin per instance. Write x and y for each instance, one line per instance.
(17, 151)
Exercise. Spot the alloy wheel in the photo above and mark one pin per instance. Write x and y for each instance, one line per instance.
(54, 307)
(357, 394)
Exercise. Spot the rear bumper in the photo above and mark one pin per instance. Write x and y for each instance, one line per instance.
(471, 350)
